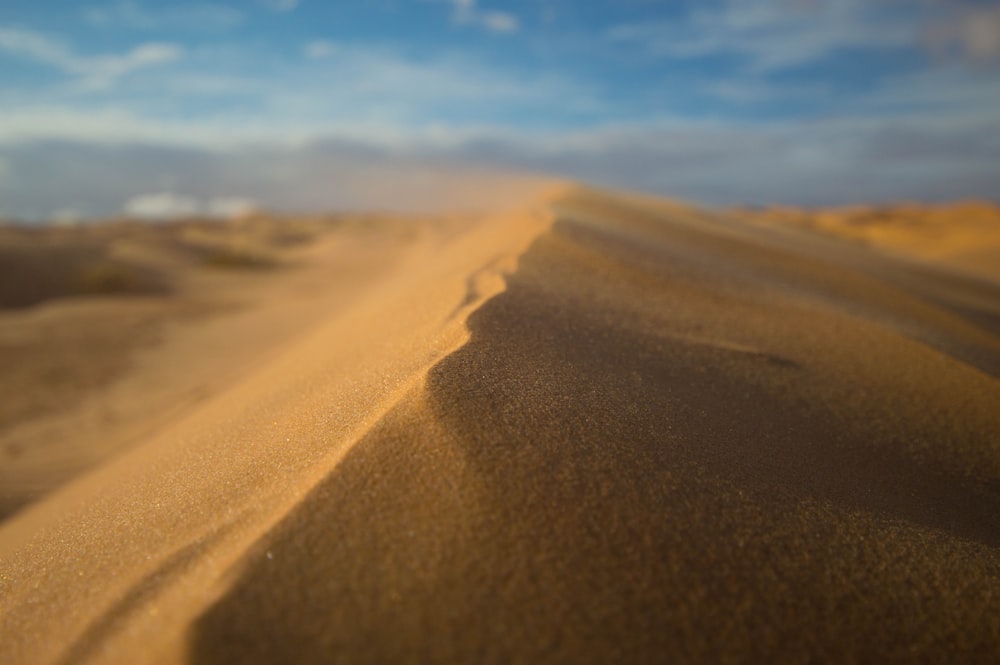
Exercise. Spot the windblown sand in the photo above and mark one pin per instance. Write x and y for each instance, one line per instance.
(598, 428)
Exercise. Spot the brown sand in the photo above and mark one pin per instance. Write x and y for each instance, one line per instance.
(665, 436)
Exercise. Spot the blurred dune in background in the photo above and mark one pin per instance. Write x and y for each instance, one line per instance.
(964, 235)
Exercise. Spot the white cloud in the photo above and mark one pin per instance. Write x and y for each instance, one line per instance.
(163, 205)
(321, 176)
(37, 47)
(363, 92)
(280, 5)
(954, 91)
(771, 34)
(92, 71)
(755, 91)
(130, 14)
(167, 205)
(831, 160)
(385, 99)
(268, 137)
(499, 21)
(468, 12)
(319, 49)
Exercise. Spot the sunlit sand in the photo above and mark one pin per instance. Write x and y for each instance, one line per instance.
(584, 427)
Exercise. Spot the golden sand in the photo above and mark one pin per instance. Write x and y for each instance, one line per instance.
(963, 236)
(596, 428)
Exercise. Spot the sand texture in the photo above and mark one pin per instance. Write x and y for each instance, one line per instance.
(594, 428)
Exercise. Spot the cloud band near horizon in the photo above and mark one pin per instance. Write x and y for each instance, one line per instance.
(304, 105)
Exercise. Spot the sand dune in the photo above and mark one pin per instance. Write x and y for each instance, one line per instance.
(595, 428)
(111, 332)
(964, 236)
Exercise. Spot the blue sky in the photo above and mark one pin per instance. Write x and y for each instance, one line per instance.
(308, 104)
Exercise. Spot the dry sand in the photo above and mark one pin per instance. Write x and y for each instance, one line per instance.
(110, 332)
(598, 428)
(963, 236)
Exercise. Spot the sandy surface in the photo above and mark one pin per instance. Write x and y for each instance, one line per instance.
(962, 236)
(176, 314)
(595, 428)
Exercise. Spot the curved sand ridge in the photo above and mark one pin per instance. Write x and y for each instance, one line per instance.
(671, 436)
(117, 563)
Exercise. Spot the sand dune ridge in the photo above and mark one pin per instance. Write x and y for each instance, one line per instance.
(662, 434)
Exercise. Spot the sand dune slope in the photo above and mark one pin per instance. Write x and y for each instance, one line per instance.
(964, 235)
(670, 437)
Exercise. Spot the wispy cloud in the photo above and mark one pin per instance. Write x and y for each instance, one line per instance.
(832, 160)
(116, 125)
(268, 92)
(756, 91)
(132, 15)
(770, 34)
(951, 92)
(93, 72)
(467, 12)
(362, 91)
(769, 103)
(320, 48)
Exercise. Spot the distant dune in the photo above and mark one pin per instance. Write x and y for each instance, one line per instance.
(963, 235)
(590, 427)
